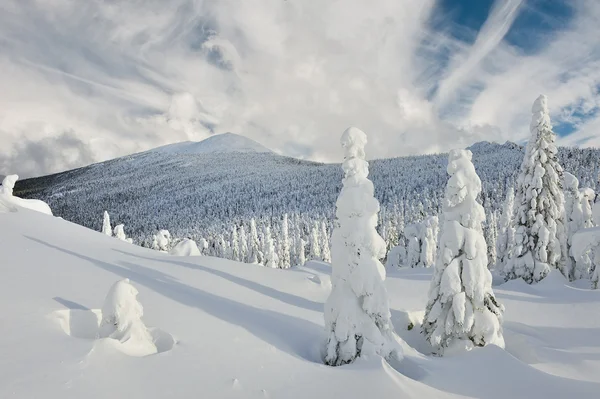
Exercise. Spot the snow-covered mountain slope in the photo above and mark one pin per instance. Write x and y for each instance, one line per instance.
(230, 330)
(200, 195)
(220, 143)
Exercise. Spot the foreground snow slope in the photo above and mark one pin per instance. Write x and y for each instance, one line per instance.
(245, 331)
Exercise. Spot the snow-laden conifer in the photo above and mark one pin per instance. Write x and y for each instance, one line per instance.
(270, 256)
(243, 237)
(540, 242)
(235, 245)
(122, 319)
(255, 253)
(315, 243)
(162, 241)
(462, 310)
(285, 243)
(506, 231)
(325, 250)
(106, 228)
(357, 314)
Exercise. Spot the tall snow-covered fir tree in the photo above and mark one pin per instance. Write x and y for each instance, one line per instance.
(506, 231)
(243, 244)
(235, 244)
(106, 228)
(540, 242)
(325, 250)
(270, 256)
(254, 251)
(462, 311)
(285, 243)
(315, 243)
(357, 314)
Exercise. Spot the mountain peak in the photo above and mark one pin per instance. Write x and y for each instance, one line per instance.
(219, 143)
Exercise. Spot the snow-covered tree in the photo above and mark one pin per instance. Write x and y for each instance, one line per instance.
(185, 247)
(429, 233)
(162, 241)
(578, 211)
(122, 319)
(255, 254)
(413, 245)
(106, 229)
(301, 251)
(315, 243)
(270, 256)
(203, 246)
(325, 250)
(285, 243)
(120, 233)
(243, 244)
(492, 239)
(357, 314)
(506, 232)
(462, 310)
(235, 245)
(540, 242)
(8, 184)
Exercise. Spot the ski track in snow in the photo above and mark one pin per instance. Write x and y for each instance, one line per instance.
(229, 330)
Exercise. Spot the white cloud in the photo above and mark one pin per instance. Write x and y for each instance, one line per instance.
(125, 76)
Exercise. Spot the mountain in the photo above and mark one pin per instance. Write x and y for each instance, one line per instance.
(205, 195)
(220, 143)
(225, 329)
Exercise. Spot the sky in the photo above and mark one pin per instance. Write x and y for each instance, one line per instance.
(82, 82)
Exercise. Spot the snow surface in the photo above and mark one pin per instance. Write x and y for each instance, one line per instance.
(220, 143)
(229, 330)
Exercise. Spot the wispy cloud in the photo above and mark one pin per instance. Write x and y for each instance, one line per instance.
(122, 76)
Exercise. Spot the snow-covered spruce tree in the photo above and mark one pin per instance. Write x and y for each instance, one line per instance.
(301, 251)
(413, 245)
(285, 243)
(122, 319)
(120, 233)
(243, 244)
(506, 232)
(357, 314)
(106, 229)
(325, 250)
(235, 244)
(462, 310)
(203, 246)
(162, 241)
(429, 233)
(270, 256)
(540, 242)
(578, 211)
(492, 239)
(315, 247)
(255, 254)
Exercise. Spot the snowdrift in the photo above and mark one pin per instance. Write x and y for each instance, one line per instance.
(229, 330)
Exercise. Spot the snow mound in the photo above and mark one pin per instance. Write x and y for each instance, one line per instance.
(220, 143)
(122, 320)
(84, 324)
(186, 247)
(8, 201)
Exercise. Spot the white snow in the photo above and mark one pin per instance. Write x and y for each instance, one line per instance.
(219, 143)
(185, 247)
(122, 320)
(224, 329)
(8, 201)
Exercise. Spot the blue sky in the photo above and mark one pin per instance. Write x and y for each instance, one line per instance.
(83, 84)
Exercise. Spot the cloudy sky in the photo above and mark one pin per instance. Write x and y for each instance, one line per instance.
(86, 81)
